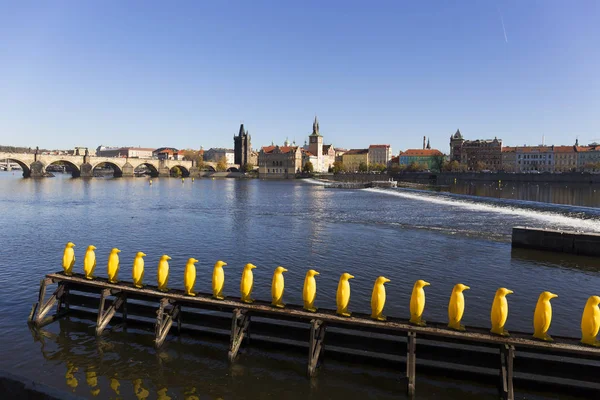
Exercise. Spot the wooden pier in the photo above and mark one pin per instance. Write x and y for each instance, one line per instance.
(564, 364)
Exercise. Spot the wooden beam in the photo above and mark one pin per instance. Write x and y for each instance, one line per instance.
(317, 336)
(507, 353)
(41, 308)
(164, 320)
(240, 323)
(411, 358)
(105, 317)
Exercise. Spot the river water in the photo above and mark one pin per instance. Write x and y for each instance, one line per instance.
(404, 234)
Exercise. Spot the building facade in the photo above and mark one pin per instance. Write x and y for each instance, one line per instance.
(380, 154)
(279, 162)
(565, 158)
(216, 154)
(242, 148)
(129, 152)
(482, 154)
(353, 158)
(535, 158)
(427, 157)
(509, 159)
(589, 158)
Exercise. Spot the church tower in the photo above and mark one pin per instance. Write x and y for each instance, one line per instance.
(242, 147)
(315, 145)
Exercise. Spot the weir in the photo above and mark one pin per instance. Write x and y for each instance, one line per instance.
(520, 360)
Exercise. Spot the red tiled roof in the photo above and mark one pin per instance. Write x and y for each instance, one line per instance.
(564, 149)
(379, 146)
(283, 149)
(421, 152)
(508, 149)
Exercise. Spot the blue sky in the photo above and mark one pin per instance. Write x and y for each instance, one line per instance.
(185, 74)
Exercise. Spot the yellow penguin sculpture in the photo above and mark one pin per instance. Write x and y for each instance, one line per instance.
(499, 312)
(189, 276)
(378, 299)
(218, 280)
(456, 307)
(417, 302)
(343, 295)
(277, 287)
(590, 322)
(162, 277)
(112, 268)
(247, 283)
(68, 259)
(137, 272)
(89, 262)
(310, 290)
(543, 316)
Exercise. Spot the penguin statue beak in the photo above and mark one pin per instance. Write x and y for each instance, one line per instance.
(224, 264)
(93, 247)
(194, 260)
(552, 295)
(316, 273)
(426, 283)
(118, 251)
(386, 280)
(168, 258)
(143, 254)
(467, 287)
(284, 270)
(351, 277)
(509, 291)
(252, 266)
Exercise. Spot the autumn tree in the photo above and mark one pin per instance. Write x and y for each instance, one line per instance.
(338, 167)
(222, 164)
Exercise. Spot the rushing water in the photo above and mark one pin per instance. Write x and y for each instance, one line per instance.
(403, 234)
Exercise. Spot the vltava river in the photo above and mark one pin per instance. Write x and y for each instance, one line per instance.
(403, 234)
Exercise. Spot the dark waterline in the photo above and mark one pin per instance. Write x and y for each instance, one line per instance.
(404, 235)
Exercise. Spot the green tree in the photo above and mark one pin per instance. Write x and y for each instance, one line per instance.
(480, 166)
(308, 167)
(248, 167)
(439, 163)
(222, 164)
(363, 167)
(397, 168)
(176, 172)
(338, 167)
(414, 167)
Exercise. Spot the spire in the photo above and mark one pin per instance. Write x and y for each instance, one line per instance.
(423, 142)
(316, 127)
(242, 132)
(577, 142)
(428, 146)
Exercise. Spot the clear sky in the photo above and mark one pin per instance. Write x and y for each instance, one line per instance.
(185, 74)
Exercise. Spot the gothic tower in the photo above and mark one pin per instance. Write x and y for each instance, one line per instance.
(315, 145)
(242, 147)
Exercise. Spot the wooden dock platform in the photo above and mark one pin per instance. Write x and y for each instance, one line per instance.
(564, 364)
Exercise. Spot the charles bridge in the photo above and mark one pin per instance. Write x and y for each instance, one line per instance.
(34, 165)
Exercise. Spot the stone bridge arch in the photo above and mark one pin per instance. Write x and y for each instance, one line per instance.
(117, 170)
(150, 164)
(76, 171)
(184, 171)
(24, 165)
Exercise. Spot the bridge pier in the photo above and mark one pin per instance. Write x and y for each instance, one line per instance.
(86, 170)
(164, 172)
(127, 170)
(37, 170)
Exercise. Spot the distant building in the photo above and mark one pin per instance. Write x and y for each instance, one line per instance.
(129, 152)
(456, 142)
(380, 154)
(216, 154)
(534, 158)
(168, 153)
(353, 158)
(565, 158)
(281, 162)
(325, 154)
(242, 148)
(589, 157)
(509, 159)
(486, 153)
(339, 153)
(427, 157)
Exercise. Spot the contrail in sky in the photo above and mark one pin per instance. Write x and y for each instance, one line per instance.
(503, 29)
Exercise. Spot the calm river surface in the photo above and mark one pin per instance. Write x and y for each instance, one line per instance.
(403, 234)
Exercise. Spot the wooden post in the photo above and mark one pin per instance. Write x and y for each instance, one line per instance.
(317, 336)
(240, 322)
(41, 308)
(105, 317)
(411, 358)
(507, 353)
(164, 321)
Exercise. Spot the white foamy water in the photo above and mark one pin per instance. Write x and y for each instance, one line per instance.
(565, 221)
(314, 181)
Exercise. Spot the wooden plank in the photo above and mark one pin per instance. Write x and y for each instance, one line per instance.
(317, 336)
(240, 321)
(473, 335)
(105, 317)
(411, 358)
